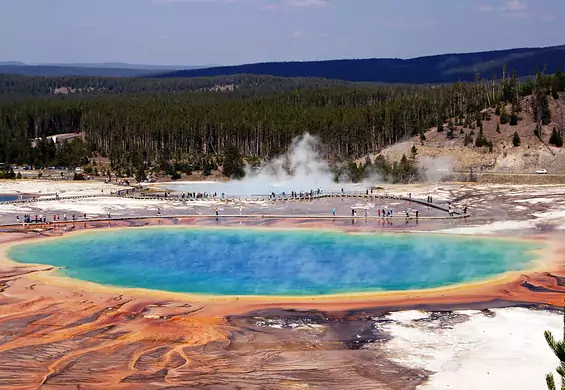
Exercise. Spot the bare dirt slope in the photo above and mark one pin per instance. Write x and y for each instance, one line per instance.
(531, 155)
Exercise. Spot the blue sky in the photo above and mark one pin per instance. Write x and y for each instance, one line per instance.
(241, 31)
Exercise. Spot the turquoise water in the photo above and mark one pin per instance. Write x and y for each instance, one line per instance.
(271, 262)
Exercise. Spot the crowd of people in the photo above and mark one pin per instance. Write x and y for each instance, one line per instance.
(384, 212)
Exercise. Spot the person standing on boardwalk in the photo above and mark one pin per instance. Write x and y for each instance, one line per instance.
(333, 211)
(217, 211)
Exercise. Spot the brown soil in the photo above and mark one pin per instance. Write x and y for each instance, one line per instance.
(531, 155)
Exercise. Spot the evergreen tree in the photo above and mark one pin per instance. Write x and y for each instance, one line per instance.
(233, 163)
(558, 348)
(413, 153)
(556, 84)
(516, 139)
(382, 167)
(468, 139)
(513, 117)
(556, 138)
(498, 128)
(540, 106)
(504, 118)
(481, 140)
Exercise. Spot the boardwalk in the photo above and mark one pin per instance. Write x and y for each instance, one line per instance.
(249, 198)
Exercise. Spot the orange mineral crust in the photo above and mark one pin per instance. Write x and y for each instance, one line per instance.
(58, 333)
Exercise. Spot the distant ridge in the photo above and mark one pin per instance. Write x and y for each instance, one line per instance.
(116, 69)
(443, 68)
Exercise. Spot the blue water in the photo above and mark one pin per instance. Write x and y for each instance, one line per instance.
(8, 198)
(271, 262)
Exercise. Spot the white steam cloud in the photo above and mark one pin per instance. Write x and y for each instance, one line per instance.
(435, 169)
(301, 168)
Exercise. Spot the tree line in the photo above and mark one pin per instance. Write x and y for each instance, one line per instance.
(234, 86)
(194, 130)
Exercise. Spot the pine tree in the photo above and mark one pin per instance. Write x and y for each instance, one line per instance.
(233, 163)
(440, 127)
(513, 117)
(558, 348)
(498, 128)
(481, 140)
(504, 118)
(413, 153)
(516, 139)
(556, 138)
(540, 106)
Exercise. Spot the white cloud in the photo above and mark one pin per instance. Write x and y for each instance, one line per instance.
(514, 6)
(276, 4)
(298, 34)
(484, 8)
(193, 1)
(307, 3)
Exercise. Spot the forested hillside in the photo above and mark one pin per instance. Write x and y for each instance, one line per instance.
(445, 68)
(137, 131)
(60, 71)
(236, 85)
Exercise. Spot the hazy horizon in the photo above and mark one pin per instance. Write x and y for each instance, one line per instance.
(110, 64)
(181, 33)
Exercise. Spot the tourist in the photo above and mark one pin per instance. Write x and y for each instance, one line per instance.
(65, 217)
(217, 211)
(465, 210)
(379, 212)
(417, 212)
(333, 211)
(158, 212)
(366, 213)
(17, 219)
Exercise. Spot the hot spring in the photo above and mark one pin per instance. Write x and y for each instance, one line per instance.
(274, 262)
